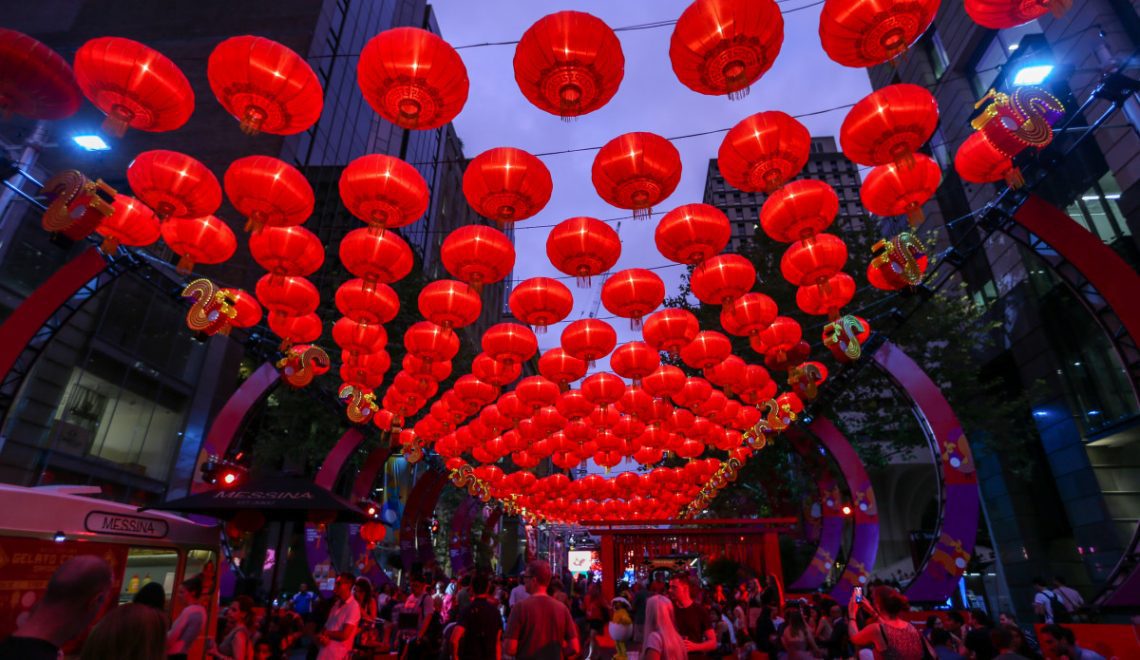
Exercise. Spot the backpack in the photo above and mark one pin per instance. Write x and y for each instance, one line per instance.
(1060, 612)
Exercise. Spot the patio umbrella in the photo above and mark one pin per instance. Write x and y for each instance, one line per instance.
(279, 499)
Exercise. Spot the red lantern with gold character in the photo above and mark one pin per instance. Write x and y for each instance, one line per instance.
(130, 223)
(205, 240)
(270, 192)
(174, 184)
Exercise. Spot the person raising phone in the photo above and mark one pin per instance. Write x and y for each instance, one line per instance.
(891, 637)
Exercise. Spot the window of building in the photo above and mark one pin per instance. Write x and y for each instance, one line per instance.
(994, 54)
(1098, 210)
(936, 53)
(940, 150)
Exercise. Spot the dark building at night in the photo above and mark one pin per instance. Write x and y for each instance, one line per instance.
(121, 395)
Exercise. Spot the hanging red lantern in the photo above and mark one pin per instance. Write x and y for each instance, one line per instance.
(695, 391)
(574, 405)
(588, 339)
(486, 368)
(287, 296)
(670, 329)
(269, 192)
(814, 260)
(450, 303)
(691, 233)
(35, 82)
(534, 392)
(633, 293)
(979, 161)
(509, 343)
(603, 388)
(747, 314)
(205, 240)
(864, 33)
(708, 348)
(722, 278)
(248, 310)
(265, 86)
(373, 533)
(727, 374)
(430, 342)
(1004, 14)
(540, 302)
(583, 247)
(477, 255)
(893, 190)
(634, 360)
(560, 367)
(636, 171)
(412, 78)
(364, 303)
(824, 298)
(889, 125)
(569, 64)
(359, 338)
(131, 223)
(376, 257)
(757, 386)
(763, 151)
(799, 210)
(287, 250)
(507, 184)
(383, 191)
(781, 343)
(296, 329)
(721, 47)
(174, 184)
(366, 369)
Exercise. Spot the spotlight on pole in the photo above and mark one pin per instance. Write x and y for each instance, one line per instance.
(91, 142)
(1033, 74)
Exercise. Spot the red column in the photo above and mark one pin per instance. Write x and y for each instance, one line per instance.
(609, 568)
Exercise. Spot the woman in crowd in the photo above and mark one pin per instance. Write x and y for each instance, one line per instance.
(797, 640)
(662, 641)
(128, 632)
(190, 622)
(891, 636)
(238, 642)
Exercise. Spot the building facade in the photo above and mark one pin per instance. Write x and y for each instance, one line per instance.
(121, 395)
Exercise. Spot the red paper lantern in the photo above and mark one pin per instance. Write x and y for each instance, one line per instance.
(477, 255)
(707, 349)
(130, 223)
(450, 303)
(35, 82)
(534, 392)
(134, 85)
(569, 64)
(893, 190)
(695, 391)
(757, 386)
(763, 151)
(814, 260)
(864, 33)
(632, 294)
(266, 86)
(588, 339)
(507, 184)
(376, 257)
(174, 184)
(269, 192)
(287, 250)
(412, 78)
(540, 302)
(748, 314)
(691, 233)
(826, 297)
(248, 310)
(287, 296)
(635, 360)
(979, 161)
(728, 374)
(636, 171)
(603, 388)
(583, 247)
(509, 343)
(296, 329)
(560, 367)
(383, 191)
(1003, 14)
(722, 278)
(670, 329)
(205, 240)
(889, 125)
(367, 369)
(799, 210)
(430, 342)
(781, 343)
(365, 303)
(373, 533)
(485, 368)
(722, 47)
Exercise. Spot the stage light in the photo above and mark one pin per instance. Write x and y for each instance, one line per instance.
(1033, 74)
(846, 510)
(229, 478)
(92, 142)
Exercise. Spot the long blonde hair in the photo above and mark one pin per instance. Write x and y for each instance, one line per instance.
(659, 619)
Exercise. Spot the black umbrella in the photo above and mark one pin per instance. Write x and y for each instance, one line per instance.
(282, 499)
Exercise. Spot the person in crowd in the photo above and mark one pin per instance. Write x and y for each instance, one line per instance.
(886, 631)
(558, 593)
(798, 642)
(956, 626)
(463, 597)
(1069, 597)
(539, 627)
(190, 622)
(370, 632)
(641, 596)
(1047, 605)
(933, 622)
(75, 595)
(237, 644)
(945, 648)
(979, 640)
(336, 638)
(601, 645)
(770, 596)
(303, 601)
(740, 621)
(692, 619)
(1059, 642)
(764, 632)
(1028, 644)
(519, 593)
(1002, 641)
(428, 623)
(838, 644)
(134, 631)
(662, 639)
(479, 632)
(1019, 644)
(152, 595)
(823, 627)
(263, 650)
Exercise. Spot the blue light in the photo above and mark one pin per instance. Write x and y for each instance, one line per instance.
(1093, 412)
(92, 142)
(1032, 75)
(1040, 413)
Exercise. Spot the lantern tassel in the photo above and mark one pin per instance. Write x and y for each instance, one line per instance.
(740, 94)
(1014, 178)
(583, 281)
(109, 245)
(1059, 7)
(635, 323)
(915, 216)
(115, 126)
(184, 266)
(642, 214)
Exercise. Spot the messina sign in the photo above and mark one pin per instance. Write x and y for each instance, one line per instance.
(102, 522)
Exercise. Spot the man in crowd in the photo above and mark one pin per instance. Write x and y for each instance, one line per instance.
(340, 629)
(518, 594)
(978, 639)
(1059, 641)
(692, 619)
(540, 628)
(479, 632)
(303, 602)
(1069, 597)
(75, 595)
(1047, 605)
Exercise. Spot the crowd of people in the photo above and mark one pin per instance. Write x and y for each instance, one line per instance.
(539, 616)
